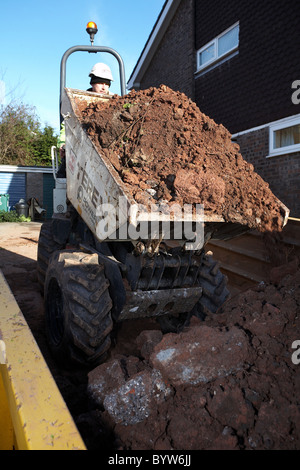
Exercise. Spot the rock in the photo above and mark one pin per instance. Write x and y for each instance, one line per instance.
(125, 392)
(104, 379)
(200, 355)
(132, 402)
(147, 340)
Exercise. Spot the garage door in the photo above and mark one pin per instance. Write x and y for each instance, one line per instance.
(13, 184)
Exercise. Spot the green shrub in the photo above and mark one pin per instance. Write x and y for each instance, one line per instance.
(12, 216)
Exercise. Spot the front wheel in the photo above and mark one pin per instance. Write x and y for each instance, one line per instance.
(214, 295)
(78, 309)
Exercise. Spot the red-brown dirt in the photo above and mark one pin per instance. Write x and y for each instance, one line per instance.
(227, 383)
(244, 369)
(164, 148)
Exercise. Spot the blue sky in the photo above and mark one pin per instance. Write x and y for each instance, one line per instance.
(34, 34)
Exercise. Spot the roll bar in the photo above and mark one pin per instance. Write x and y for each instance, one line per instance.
(91, 49)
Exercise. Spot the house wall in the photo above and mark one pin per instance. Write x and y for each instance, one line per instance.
(174, 62)
(253, 87)
(281, 172)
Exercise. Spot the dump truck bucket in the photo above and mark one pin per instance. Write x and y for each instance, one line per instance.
(93, 182)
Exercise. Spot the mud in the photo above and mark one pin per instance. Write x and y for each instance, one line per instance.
(226, 383)
(165, 149)
(230, 382)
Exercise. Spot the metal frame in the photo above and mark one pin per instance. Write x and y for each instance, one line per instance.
(90, 49)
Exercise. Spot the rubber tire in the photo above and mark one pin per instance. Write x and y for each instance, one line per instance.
(77, 309)
(214, 285)
(46, 247)
(214, 294)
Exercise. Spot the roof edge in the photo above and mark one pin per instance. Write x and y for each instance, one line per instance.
(25, 169)
(164, 19)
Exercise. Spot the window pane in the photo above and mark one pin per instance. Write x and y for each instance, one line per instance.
(286, 137)
(228, 41)
(207, 54)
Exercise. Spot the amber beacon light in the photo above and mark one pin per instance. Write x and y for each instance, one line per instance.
(91, 29)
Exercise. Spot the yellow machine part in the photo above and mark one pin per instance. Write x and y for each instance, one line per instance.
(33, 414)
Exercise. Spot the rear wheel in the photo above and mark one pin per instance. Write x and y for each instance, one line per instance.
(46, 247)
(78, 309)
(214, 287)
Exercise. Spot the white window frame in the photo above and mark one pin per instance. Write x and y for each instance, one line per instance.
(277, 126)
(215, 43)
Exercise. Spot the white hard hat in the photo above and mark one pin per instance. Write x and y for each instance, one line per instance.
(101, 70)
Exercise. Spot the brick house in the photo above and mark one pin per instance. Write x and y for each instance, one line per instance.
(239, 61)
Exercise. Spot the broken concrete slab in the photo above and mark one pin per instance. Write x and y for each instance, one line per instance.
(200, 355)
(127, 398)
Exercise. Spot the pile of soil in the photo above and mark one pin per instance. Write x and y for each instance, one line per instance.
(231, 382)
(165, 149)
